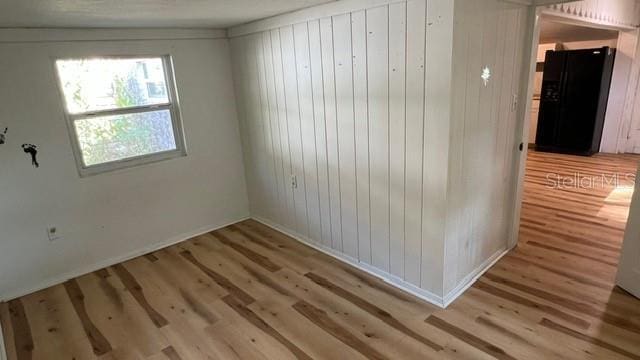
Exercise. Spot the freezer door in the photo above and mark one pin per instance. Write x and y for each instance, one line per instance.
(550, 113)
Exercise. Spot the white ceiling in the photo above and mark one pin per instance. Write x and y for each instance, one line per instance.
(554, 32)
(142, 13)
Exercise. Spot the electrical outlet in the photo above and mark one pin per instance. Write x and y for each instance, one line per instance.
(294, 182)
(53, 233)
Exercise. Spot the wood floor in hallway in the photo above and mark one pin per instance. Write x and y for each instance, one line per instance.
(250, 292)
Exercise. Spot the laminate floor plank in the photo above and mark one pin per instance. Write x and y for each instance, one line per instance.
(248, 291)
(243, 273)
(232, 342)
(120, 318)
(248, 333)
(512, 335)
(355, 320)
(525, 321)
(550, 282)
(55, 326)
(402, 305)
(7, 329)
(295, 327)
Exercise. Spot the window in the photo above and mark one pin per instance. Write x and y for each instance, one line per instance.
(122, 111)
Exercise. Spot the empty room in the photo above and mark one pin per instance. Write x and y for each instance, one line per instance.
(318, 179)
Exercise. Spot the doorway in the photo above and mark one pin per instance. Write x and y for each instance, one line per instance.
(574, 209)
(557, 40)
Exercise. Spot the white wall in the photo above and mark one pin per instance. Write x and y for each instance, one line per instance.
(107, 217)
(629, 128)
(613, 123)
(357, 105)
(589, 44)
(491, 34)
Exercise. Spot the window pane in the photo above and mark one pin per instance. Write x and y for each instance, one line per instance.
(111, 138)
(102, 84)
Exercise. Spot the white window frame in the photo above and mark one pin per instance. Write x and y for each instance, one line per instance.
(172, 105)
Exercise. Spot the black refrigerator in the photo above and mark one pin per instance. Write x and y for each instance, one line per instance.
(573, 101)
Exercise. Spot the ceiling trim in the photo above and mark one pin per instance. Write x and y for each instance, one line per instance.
(560, 30)
(18, 35)
(580, 21)
(625, 15)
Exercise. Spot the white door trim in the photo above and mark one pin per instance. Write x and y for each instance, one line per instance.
(522, 127)
(525, 99)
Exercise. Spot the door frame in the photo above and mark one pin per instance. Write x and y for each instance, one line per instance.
(523, 118)
(625, 123)
(526, 99)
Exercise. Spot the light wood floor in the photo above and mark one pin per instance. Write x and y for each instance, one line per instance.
(249, 292)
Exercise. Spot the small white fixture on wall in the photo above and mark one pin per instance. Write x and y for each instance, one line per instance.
(486, 75)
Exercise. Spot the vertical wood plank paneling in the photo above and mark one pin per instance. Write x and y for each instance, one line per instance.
(498, 227)
(414, 139)
(400, 150)
(268, 155)
(293, 120)
(274, 124)
(506, 113)
(245, 49)
(488, 33)
(255, 129)
(485, 141)
(307, 128)
(458, 110)
(517, 60)
(330, 108)
(439, 40)
(506, 49)
(239, 50)
(397, 114)
(512, 155)
(361, 118)
(346, 132)
(281, 101)
(315, 52)
(471, 125)
(626, 136)
(378, 76)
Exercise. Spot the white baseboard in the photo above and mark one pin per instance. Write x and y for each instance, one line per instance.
(383, 275)
(59, 279)
(395, 281)
(472, 277)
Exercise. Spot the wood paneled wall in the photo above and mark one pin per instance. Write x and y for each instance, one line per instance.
(487, 34)
(358, 108)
